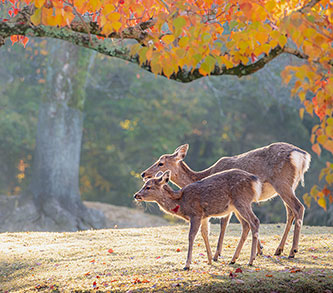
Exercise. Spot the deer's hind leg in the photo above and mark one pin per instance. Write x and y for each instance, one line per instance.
(247, 215)
(245, 232)
(204, 233)
(223, 226)
(290, 219)
(287, 194)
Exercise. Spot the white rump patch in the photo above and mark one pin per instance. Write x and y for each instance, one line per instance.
(257, 188)
(301, 163)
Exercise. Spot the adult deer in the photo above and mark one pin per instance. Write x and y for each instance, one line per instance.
(217, 195)
(279, 166)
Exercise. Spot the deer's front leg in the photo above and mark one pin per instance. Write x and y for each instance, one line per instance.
(194, 228)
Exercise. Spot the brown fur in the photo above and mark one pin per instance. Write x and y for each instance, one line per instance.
(217, 195)
(279, 166)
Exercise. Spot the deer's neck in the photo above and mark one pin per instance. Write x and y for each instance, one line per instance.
(187, 176)
(169, 202)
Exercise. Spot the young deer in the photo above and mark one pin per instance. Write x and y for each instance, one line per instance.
(279, 166)
(217, 195)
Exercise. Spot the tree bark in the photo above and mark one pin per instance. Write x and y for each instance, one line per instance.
(53, 196)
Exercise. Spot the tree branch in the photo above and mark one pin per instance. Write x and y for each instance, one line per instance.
(78, 35)
(105, 47)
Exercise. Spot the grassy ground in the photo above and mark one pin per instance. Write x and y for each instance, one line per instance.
(151, 259)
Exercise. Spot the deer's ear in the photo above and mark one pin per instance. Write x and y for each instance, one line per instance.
(165, 178)
(159, 174)
(181, 151)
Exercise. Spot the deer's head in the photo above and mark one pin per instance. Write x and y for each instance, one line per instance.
(166, 162)
(153, 189)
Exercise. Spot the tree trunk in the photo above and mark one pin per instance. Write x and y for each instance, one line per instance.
(52, 201)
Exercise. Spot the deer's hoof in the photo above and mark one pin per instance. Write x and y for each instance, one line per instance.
(232, 262)
(215, 258)
(291, 256)
(186, 268)
(278, 251)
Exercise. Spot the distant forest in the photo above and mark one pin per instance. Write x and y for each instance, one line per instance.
(132, 117)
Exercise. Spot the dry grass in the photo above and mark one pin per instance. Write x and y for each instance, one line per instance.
(146, 259)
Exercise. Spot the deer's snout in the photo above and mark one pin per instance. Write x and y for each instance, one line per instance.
(143, 174)
(137, 196)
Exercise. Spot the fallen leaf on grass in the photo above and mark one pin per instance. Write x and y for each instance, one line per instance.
(232, 275)
(269, 276)
(110, 250)
(178, 250)
(238, 281)
(238, 270)
(138, 281)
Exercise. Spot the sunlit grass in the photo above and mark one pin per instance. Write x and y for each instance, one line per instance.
(147, 260)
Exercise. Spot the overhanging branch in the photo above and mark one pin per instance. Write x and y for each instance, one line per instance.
(78, 35)
(105, 47)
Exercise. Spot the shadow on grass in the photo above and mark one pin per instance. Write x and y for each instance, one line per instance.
(264, 281)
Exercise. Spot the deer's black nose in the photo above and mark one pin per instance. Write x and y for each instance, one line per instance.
(143, 174)
(137, 196)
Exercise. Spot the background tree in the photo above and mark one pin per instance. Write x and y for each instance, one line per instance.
(52, 199)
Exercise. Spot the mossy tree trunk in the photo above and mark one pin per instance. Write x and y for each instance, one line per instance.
(54, 186)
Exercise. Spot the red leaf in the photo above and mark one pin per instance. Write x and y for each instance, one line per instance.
(24, 41)
(14, 39)
(178, 250)
(269, 276)
(238, 270)
(232, 275)
(110, 250)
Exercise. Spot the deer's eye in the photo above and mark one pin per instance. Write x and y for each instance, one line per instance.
(160, 164)
(147, 188)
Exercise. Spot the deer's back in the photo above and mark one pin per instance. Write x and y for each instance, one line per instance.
(215, 194)
(267, 163)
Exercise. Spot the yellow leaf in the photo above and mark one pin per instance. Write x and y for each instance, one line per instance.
(168, 39)
(307, 199)
(39, 3)
(301, 113)
(179, 22)
(282, 40)
(322, 138)
(226, 62)
(322, 202)
(108, 8)
(270, 5)
(36, 17)
(328, 145)
(261, 37)
(183, 42)
(316, 148)
(135, 48)
(116, 25)
(107, 29)
(115, 16)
